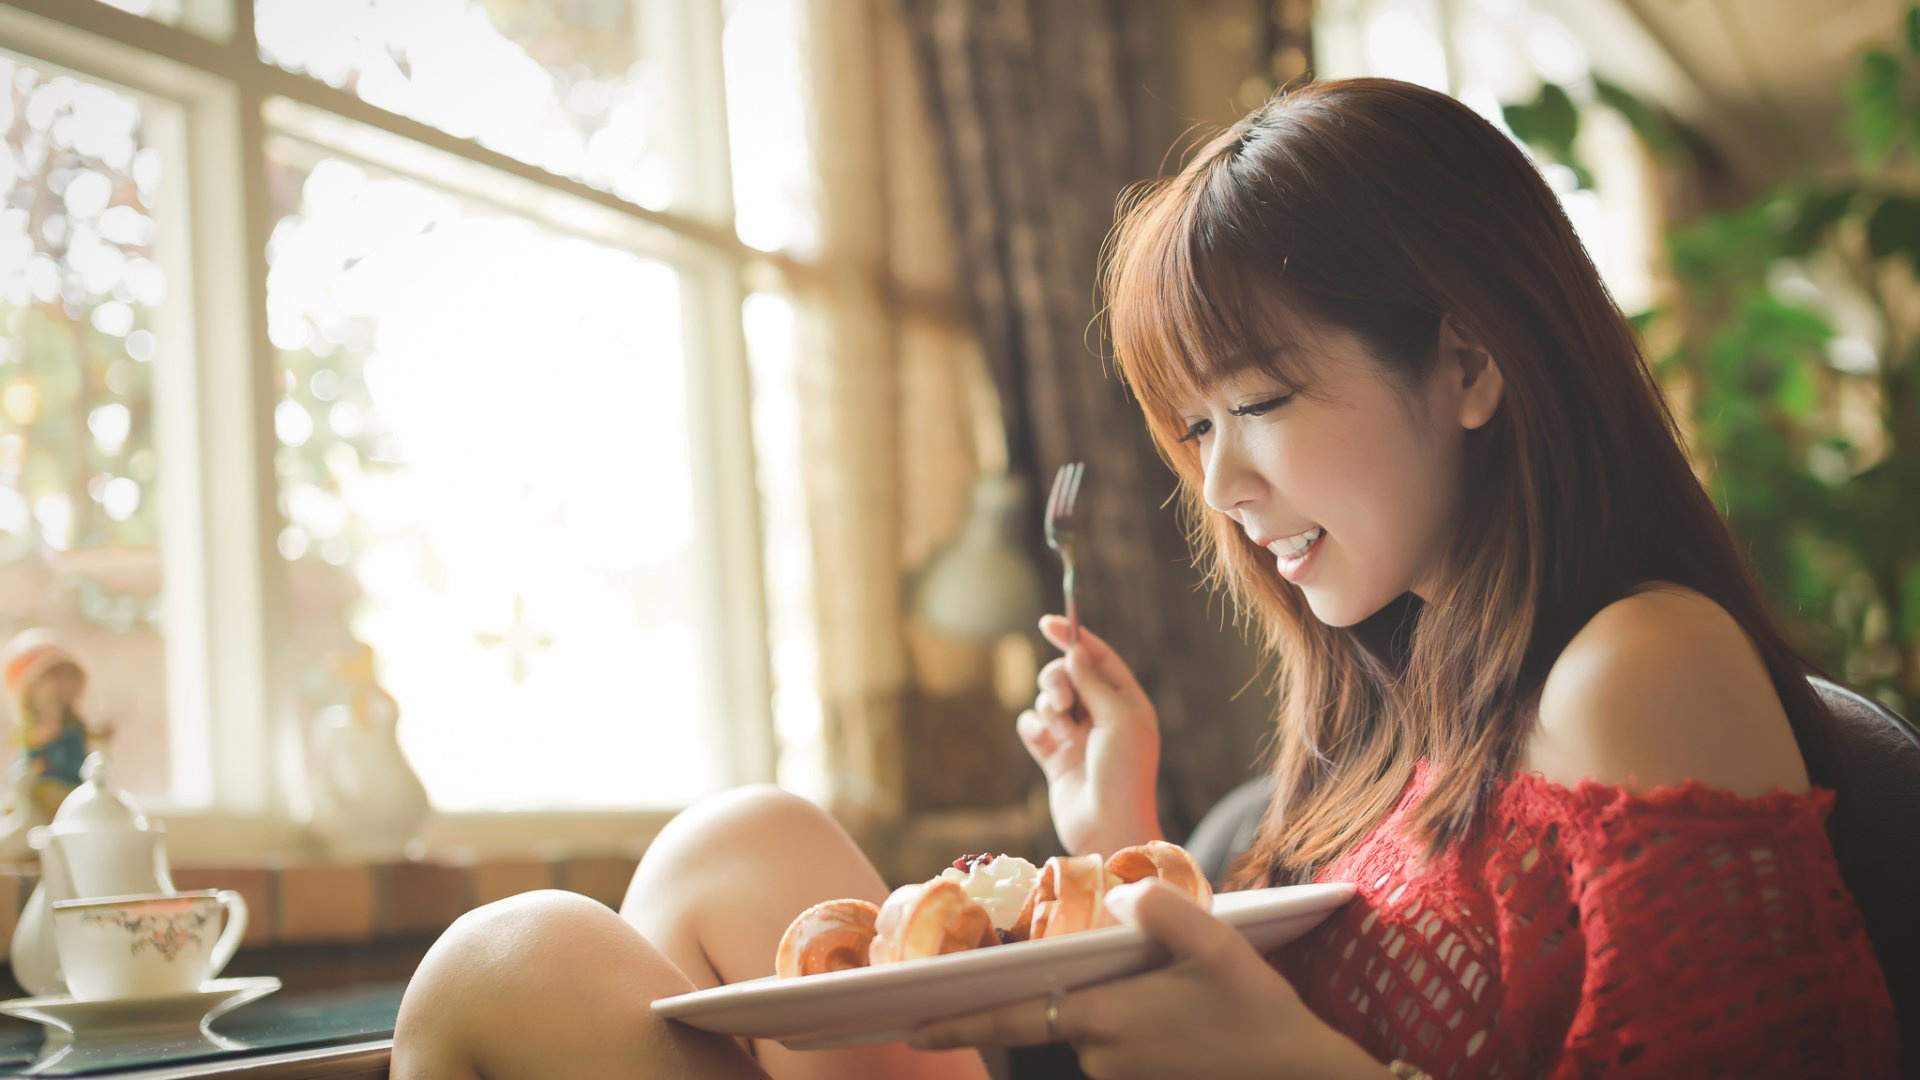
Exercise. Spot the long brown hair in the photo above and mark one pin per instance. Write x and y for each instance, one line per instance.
(1379, 207)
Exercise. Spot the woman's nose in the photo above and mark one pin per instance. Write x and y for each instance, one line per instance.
(1228, 482)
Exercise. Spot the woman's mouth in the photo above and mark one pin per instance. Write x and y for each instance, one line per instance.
(1292, 553)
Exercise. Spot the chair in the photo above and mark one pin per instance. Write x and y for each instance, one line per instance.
(1877, 843)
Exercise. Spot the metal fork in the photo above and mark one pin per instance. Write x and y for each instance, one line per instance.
(1060, 535)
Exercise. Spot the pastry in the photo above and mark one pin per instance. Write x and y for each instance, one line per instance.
(1070, 897)
(929, 919)
(999, 883)
(980, 900)
(833, 935)
(1168, 862)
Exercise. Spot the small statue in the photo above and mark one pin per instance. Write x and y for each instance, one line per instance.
(45, 682)
(367, 800)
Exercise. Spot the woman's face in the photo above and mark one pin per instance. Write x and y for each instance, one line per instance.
(1369, 465)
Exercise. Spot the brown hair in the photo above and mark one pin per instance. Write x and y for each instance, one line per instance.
(1379, 207)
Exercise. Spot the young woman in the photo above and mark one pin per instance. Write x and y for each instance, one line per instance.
(1530, 701)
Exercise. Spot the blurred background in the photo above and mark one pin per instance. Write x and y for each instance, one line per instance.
(664, 392)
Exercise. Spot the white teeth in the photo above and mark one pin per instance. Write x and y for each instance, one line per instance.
(1293, 547)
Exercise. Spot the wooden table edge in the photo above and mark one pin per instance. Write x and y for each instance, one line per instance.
(348, 1061)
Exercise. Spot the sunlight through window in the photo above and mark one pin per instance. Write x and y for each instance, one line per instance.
(484, 464)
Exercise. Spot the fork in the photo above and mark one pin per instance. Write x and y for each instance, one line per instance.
(1060, 534)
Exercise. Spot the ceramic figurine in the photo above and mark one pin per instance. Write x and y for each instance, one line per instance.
(367, 800)
(44, 681)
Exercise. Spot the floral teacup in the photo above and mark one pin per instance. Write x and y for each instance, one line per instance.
(146, 945)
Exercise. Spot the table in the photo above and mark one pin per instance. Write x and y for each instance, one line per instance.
(339, 1034)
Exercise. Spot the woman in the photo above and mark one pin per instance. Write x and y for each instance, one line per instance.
(1530, 701)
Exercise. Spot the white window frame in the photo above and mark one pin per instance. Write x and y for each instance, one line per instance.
(237, 744)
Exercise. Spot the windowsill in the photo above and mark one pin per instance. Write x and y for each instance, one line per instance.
(220, 839)
(295, 901)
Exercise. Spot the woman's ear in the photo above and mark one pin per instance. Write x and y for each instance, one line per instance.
(1471, 373)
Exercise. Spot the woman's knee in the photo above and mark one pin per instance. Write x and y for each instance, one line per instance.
(510, 982)
(743, 814)
(758, 830)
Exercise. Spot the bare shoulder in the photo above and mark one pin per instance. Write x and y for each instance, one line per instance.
(1659, 687)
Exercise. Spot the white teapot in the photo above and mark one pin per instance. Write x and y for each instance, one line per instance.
(99, 844)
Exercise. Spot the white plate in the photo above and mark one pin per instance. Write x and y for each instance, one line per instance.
(881, 1004)
(99, 1017)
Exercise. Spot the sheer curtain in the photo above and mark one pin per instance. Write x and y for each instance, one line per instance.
(888, 444)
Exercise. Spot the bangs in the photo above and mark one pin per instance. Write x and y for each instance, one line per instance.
(1190, 303)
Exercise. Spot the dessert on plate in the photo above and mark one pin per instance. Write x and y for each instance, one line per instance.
(980, 901)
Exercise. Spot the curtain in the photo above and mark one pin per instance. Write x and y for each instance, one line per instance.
(1045, 114)
(883, 344)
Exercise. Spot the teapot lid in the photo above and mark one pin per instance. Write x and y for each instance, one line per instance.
(96, 805)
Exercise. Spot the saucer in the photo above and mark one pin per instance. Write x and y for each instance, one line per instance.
(98, 1017)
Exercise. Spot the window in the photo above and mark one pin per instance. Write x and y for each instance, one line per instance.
(422, 326)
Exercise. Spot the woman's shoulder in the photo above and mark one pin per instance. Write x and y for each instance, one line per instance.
(1662, 687)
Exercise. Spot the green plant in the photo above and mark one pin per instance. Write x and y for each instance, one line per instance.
(1791, 340)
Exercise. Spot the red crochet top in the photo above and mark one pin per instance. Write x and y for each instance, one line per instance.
(1591, 932)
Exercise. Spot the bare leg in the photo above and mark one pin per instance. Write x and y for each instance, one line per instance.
(718, 887)
(550, 984)
(553, 984)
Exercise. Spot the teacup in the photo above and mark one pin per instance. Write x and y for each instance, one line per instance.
(148, 944)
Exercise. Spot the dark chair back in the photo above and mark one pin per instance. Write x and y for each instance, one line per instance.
(1228, 829)
(1876, 839)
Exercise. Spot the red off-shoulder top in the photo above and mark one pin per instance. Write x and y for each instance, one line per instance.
(1596, 933)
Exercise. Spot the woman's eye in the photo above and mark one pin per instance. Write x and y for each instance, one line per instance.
(1261, 408)
(1197, 429)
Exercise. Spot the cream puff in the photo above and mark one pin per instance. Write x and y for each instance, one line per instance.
(929, 919)
(833, 935)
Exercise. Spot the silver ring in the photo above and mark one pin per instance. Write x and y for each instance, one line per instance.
(1053, 1013)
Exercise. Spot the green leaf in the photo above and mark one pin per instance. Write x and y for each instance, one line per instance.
(1808, 580)
(1814, 212)
(1876, 114)
(1653, 125)
(1796, 393)
(1910, 606)
(1913, 30)
(1548, 124)
(1727, 254)
(1894, 229)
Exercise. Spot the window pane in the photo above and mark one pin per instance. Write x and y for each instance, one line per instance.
(80, 294)
(773, 174)
(484, 468)
(769, 321)
(578, 89)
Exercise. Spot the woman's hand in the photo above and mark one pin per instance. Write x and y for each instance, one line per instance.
(1095, 735)
(1219, 1010)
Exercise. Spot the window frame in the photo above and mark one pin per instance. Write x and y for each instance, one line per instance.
(236, 742)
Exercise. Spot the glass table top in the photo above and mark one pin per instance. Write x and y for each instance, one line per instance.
(287, 1019)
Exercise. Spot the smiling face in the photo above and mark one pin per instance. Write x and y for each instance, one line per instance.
(1349, 482)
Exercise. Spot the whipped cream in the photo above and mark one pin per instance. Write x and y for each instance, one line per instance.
(1000, 884)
